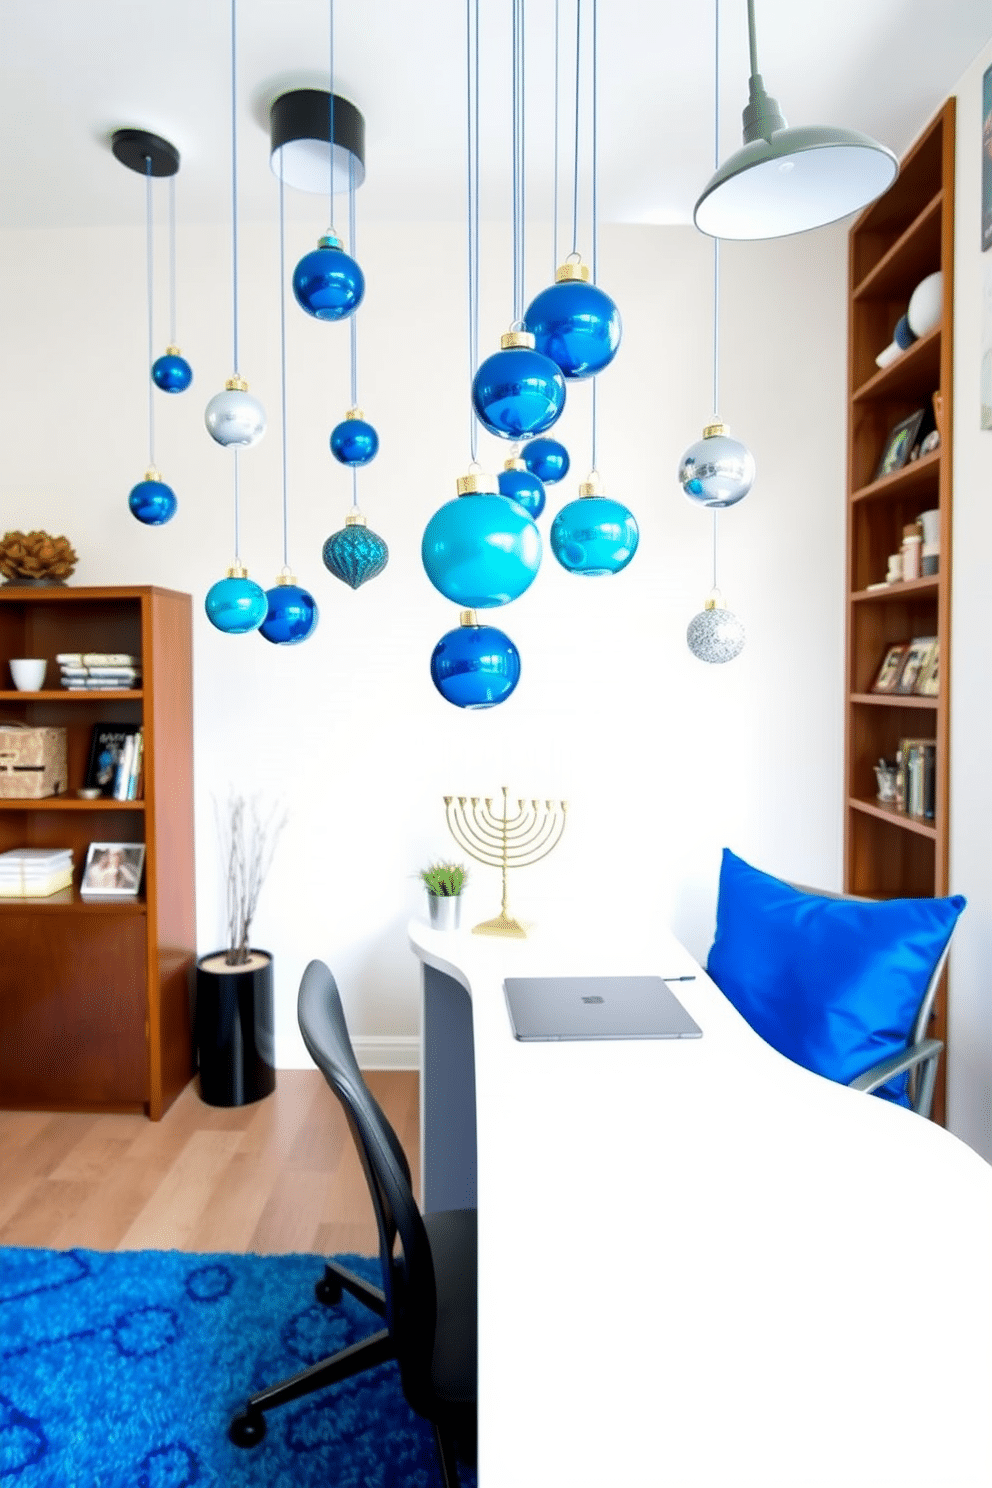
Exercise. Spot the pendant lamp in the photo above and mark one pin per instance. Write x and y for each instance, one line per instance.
(786, 180)
(475, 666)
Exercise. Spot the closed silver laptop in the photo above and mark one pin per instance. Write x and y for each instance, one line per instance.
(544, 1009)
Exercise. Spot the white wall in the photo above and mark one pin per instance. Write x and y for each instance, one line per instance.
(970, 1032)
(663, 759)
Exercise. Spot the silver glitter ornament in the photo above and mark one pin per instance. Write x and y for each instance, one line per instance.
(715, 635)
(717, 471)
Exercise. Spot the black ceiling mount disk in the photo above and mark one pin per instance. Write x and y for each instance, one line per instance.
(300, 128)
(136, 147)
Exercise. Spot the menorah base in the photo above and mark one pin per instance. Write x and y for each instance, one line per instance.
(501, 925)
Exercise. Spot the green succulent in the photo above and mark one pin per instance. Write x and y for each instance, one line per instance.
(444, 879)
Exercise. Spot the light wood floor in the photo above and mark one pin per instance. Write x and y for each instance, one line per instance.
(275, 1177)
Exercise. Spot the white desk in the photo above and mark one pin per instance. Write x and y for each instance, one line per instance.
(700, 1266)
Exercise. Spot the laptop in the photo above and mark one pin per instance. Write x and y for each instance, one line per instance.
(544, 1009)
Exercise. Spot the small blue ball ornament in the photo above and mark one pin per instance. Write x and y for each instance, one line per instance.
(516, 482)
(594, 535)
(547, 459)
(234, 416)
(356, 553)
(354, 441)
(575, 323)
(518, 391)
(152, 501)
(236, 604)
(292, 613)
(475, 666)
(717, 471)
(481, 550)
(172, 373)
(328, 283)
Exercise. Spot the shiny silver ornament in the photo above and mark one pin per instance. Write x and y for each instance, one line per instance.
(715, 635)
(717, 471)
(234, 416)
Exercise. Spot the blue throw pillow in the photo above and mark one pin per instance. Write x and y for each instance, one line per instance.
(831, 983)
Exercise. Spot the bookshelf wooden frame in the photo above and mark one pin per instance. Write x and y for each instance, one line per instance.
(907, 234)
(95, 995)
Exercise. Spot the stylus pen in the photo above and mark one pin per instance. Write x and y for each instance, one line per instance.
(679, 979)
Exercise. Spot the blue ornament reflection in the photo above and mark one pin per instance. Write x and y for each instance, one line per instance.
(481, 550)
(171, 372)
(594, 535)
(354, 442)
(523, 488)
(328, 283)
(475, 666)
(236, 604)
(717, 471)
(152, 501)
(517, 392)
(576, 325)
(547, 459)
(356, 553)
(291, 615)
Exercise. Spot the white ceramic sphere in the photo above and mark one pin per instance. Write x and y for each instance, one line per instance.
(926, 304)
(233, 417)
(717, 472)
(715, 635)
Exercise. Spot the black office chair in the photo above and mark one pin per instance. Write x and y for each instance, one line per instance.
(428, 1296)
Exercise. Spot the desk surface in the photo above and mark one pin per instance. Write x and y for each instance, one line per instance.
(700, 1264)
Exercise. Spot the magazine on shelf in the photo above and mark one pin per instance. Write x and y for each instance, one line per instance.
(106, 749)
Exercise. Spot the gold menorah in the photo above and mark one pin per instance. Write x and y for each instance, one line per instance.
(505, 841)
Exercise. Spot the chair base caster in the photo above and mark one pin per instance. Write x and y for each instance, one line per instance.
(248, 1429)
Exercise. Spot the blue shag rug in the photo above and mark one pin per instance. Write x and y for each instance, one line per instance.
(123, 1369)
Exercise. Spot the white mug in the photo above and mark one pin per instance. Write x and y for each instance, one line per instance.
(28, 673)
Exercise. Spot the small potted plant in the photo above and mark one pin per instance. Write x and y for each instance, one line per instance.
(444, 883)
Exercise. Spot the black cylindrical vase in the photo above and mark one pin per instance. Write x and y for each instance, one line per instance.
(235, 1030)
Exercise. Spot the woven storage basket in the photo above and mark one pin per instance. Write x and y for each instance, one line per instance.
(32, 762)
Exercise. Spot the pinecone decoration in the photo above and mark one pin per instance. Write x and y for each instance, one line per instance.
(36, 555)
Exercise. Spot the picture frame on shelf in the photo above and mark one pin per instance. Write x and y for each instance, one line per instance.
(918, 654)
(888, 672)
(107, 746)
(899, 444)
(928, 681)
(113, 870)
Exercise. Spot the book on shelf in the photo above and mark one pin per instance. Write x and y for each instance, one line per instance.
(916, 778)
(107, 747)
(35, 872)
(101, 671)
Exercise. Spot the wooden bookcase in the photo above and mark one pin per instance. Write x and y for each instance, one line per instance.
(907, 234)
(95, 996)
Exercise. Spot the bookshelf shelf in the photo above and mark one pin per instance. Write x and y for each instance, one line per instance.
(896, 242)
(95, 993)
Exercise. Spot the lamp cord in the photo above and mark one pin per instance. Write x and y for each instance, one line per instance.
(150, 276)
(752, 38)
(282, 359)
(472, 209)
(234, 181)
(172, 260)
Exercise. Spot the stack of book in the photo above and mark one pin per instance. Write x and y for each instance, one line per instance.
(129, 779)
(35, 872)
(101, 671)
(916, 777)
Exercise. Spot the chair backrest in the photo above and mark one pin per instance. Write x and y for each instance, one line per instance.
(407, 1268)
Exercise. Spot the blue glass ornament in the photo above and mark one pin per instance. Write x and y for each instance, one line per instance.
(516, 482)
(594, 535)
(152, 501)
(547, 459)
(328, 283)
(234, 416)
(292, 613)
(353, 441)
(575, 323)
(475, 666)
(717, 471)
(517, 391)
(171, 372)
(236, 604)
(355, 554)
(481, 550)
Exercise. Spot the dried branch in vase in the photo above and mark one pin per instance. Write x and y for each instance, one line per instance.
(248, 835)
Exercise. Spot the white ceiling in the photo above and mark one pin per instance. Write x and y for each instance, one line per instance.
(73, 71)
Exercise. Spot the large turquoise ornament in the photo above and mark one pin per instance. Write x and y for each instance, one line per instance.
(717, 471)
(171, 372)
(575, 323)
(328, 283)
(236, 604)
(292, 613)
(547, 459)
(518, 391)
(356, 553)
(594, 535)
(354, 441)
(475, 666)
(481, 550)
(152, 501)
(516, 482)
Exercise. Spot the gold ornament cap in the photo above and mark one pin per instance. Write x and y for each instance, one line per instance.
(570, 272)
(514, 463)
(715, 601)
(329, 239)
(512, 340)
(285, 576)
(713, 429)
(354, 413)
(152, 474)
(468, 617)
(477, 483)
(355, 518)
(171, 350)
(237, 570)
(591, 486)
(236, 384)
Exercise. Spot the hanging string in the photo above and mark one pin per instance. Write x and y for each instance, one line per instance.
(595, 160)
(716, 249)
(575, 172)
(237, 509)
(472, 208)
(554, 214)
(352, 319)
(149, 257)
(234, 181)
(330, 136)
(282, 357)
(172, 260)
(518, 214)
